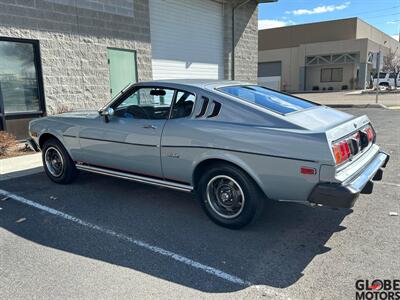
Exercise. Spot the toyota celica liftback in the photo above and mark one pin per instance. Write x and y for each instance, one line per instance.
(232, 143)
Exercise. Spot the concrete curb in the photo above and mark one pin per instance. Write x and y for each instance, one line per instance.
(20, 166)
(375, 105)
(22, 173)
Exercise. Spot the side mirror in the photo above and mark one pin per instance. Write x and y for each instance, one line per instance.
(107, 113)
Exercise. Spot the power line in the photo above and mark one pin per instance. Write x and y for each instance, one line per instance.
(380, 16)
(367, 12)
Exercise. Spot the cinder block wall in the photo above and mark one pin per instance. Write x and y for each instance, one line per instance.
(74, 36)
(245, 40)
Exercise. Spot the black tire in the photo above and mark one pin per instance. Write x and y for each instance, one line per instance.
(231, 176)
(53, 151)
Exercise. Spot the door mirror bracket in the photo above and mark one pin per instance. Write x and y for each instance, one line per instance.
(107, 113)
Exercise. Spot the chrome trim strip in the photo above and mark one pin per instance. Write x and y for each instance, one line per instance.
(137, 178)
(238, 151)
(117, 142)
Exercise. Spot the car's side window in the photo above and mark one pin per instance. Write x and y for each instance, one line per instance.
(146, 103)
(183, 105)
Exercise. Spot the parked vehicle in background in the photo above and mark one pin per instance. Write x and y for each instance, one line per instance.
(234, 144)
(387, 79)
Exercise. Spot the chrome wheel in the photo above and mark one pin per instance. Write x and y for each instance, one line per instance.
(54, 161)
(225, 196)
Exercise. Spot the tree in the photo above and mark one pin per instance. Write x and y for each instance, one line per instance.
(391, 64)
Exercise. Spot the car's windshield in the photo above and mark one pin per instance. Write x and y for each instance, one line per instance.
(272, 100)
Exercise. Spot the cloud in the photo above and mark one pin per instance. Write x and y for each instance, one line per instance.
(396, 37)
(319, 9)
(266, 23)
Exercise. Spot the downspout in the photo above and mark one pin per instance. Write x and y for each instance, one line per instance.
(233, 37)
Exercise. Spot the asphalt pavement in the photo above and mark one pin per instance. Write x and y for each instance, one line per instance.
(102, 237)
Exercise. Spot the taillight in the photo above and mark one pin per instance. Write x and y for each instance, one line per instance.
(370, 133)
(341, 151)
(350, 146)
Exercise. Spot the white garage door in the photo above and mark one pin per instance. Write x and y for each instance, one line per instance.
(187, 39)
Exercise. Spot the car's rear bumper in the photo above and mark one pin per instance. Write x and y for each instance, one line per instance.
(344, 195)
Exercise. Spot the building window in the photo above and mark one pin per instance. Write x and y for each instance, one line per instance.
(21, 87)
(332, 75)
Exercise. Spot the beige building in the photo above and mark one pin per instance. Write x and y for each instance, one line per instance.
(332, 55)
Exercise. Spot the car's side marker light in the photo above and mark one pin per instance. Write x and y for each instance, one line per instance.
(308, 171)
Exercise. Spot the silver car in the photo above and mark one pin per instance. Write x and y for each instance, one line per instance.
(234, 144)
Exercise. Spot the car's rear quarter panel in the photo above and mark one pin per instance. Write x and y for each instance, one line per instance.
(272, 157)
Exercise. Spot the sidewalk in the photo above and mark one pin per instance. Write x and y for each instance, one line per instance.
(20, 166)
(343, 99)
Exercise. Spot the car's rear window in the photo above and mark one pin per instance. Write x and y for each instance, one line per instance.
(272, 100)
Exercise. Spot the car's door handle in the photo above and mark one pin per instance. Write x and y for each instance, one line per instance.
(149, 126)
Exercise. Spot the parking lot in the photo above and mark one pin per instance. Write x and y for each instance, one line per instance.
(102, 237)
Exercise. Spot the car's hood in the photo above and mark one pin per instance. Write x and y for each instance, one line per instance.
(319, 118)
(87, 114)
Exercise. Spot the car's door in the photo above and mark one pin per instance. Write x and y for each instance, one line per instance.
(130, 140)
(176, 154)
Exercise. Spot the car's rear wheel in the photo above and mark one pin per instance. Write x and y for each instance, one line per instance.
(229, 196)
(57, 163)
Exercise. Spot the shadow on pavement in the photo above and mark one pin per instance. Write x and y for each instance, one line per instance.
(274, 251)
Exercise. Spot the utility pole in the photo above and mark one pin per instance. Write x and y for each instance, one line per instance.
(378, 70)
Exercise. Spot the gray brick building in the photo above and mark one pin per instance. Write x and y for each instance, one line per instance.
(76, 54)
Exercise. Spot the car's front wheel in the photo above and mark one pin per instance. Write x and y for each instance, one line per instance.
(229, 196)
(57, 163)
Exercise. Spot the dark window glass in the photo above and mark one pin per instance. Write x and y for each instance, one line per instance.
(326, 75)
(272, 100)
(332, 75)
(268, 69)
(146, 103)
(382, 75)
(337, 75)
(183, 106)
(18, 77)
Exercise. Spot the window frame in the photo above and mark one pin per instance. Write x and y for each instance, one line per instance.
(331, 73)
(134, 88)
(4, 116)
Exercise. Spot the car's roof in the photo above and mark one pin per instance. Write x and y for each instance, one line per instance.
(199, 83)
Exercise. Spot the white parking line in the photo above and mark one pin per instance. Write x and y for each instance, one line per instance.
(152, 248)
(388, 183)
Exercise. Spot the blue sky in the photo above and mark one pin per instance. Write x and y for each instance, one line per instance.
(383, 14)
